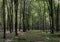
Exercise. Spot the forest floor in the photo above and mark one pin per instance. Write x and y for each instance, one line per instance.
(30, 36)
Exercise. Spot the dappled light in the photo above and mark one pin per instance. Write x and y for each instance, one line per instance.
(29, 20)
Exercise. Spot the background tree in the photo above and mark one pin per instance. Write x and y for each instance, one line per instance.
(16, 11)
(4, 22)
(57, 18)
(51, 14)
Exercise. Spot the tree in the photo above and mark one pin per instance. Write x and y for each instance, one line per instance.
(51, 15)
(16, 11)
(20, 14)
(57, 18)
(4, 22)
(44, 16)
(10, 15)
(24, 26)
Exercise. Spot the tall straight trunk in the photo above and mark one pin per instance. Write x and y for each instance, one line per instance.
(11, 15)
(44, 16)
(24, 28)
(32, 26)
(51, 15)
(27, 21)
(27, 14)
(8, 17)
(20, 14)
(10, 21)
(28, 18)
(4, 22)
(57, 19)
(16, 11)
(43, 21)
(39, 12)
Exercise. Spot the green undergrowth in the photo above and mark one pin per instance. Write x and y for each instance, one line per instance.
(38, 36)
(35, 36)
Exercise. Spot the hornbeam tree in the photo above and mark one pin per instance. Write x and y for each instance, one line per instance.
(57, 18)
(4, 22)
(44, 16)
(24, 27)
(16, 11)
(51, 15)
(20, 14)
(11, 15)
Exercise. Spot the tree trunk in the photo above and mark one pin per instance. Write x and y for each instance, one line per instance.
(57, 19)
(51, 15)
(24, 26)
(16, 10)
(4, 22)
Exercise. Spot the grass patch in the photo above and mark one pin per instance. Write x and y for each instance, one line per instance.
(37, 35)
